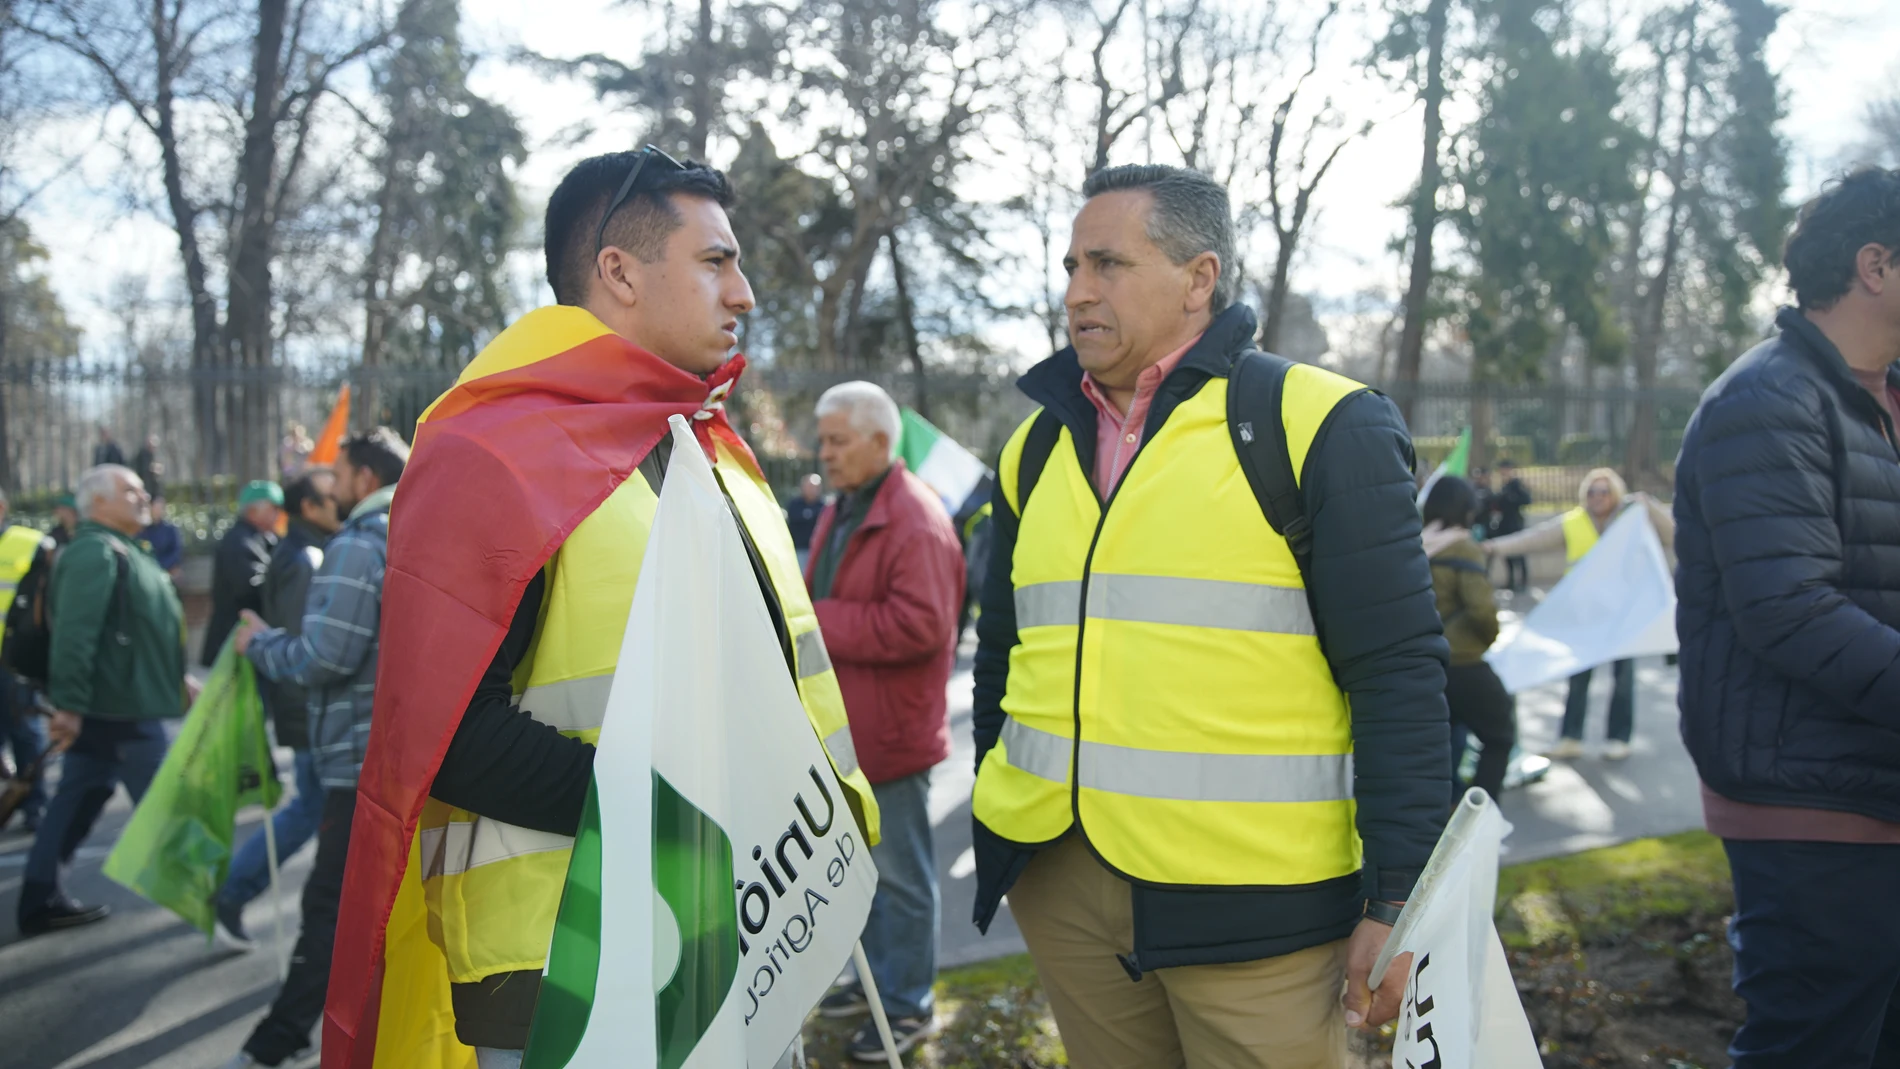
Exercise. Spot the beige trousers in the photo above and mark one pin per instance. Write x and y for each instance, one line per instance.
(1277, 1013)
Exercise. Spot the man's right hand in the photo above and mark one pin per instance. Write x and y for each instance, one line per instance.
(64, 727)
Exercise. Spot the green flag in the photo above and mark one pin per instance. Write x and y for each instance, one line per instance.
(938, 460)
(176, 850)
(1457, 462)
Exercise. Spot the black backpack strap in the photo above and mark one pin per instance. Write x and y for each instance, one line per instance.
(1037, 445)
(1254, 389)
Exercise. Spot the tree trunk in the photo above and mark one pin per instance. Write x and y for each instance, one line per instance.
(1275, 311)
(377, 280)
(6, 386)
(247, 324)
(909, 318)
(702, 83)
(851, 331)
(206, 358)
(1640, 459)
(1104, 88)
(827, 352)
(1424, 210)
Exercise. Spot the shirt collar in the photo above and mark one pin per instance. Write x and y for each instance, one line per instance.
(1146, 383)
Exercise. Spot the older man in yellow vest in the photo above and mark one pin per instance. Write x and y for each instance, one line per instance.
(1213, 757)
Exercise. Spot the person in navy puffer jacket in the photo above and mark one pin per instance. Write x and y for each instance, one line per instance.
(1788, 532)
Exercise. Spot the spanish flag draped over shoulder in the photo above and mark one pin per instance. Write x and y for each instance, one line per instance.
(534, 435)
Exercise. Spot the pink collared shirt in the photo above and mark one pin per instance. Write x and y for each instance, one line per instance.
(1118, 434)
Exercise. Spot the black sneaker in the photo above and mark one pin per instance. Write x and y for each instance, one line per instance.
(906, 1032)
(62, 912)
(846, 1000)
(229, 930)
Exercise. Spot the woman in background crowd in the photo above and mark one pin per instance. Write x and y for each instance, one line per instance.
(1478, 701)
(1600, 500)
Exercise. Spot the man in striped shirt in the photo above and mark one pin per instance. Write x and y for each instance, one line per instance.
(334, 659)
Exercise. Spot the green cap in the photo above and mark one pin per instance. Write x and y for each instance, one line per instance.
(260, 490)
(66, 501)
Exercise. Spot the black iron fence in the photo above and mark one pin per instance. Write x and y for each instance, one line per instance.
(209, 431)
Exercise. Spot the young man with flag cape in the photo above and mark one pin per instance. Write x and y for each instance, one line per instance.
(514, 548)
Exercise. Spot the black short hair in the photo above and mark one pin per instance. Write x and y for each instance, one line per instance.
(1855, 210)
(1451, 502)
(1191, 215)
(640, 226)
(381, 451)
(304, 488)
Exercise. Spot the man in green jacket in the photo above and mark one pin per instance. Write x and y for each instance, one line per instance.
(117, 670)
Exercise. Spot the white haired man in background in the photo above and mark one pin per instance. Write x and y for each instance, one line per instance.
(886, 578)
(117, 671)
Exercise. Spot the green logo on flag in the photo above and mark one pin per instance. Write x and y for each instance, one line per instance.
(692, 871)
(692, 874)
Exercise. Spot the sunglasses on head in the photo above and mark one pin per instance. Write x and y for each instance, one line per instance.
(667, 165)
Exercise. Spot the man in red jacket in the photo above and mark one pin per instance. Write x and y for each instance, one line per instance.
(886, 576)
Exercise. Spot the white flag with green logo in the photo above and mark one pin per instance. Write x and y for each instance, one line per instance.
(939, 461)
(718, 882)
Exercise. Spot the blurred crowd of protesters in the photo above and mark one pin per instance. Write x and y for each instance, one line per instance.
(1166, 919)
(90, 685)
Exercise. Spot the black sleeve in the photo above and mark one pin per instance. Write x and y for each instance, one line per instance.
(506, 765)
(995, 628)
(1378, 622)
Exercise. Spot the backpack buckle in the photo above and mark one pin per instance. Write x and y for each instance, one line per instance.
(1299, 536)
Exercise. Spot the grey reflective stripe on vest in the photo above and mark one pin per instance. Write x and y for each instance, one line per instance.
(459, 846)
(1163, 599)
(1048, 604)
(813, 658)
(1187, 777)
(844, 753)
(571, 704)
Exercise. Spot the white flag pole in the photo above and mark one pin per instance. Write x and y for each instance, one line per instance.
(877, 1004)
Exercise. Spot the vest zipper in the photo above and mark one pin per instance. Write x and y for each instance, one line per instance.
(1130, 962)
(1081, 630)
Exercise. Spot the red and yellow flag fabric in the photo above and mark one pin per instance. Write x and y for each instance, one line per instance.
(553, 415)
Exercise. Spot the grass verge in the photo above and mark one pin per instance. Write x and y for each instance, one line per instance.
(1616, 952)
(1602, 895)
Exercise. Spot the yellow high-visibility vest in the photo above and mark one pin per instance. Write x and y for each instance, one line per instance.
(18, 543)
(1168, 694)
(493, 889)
(1580, 535)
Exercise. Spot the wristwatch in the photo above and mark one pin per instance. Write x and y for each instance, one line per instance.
(1386, 913)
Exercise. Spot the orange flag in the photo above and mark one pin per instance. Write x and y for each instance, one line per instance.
(325, 450)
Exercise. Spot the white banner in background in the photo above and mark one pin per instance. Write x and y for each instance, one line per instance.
(1618, 602)
(1461, 1010)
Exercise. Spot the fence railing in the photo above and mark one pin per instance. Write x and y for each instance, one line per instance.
(211, 428)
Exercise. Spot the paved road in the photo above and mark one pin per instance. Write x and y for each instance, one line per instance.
(142, 989)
